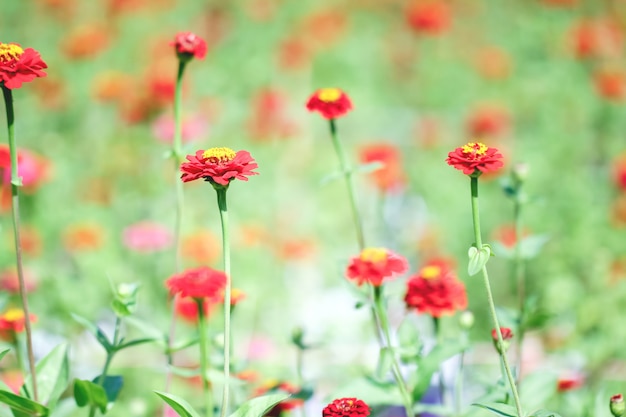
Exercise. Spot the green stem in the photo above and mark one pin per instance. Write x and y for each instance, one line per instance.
(221, 203)
(458, 389)
(204, 359)
(442, 387)
(395, 366)
(107, 362)
(492, 306)
(520, 275)
(347, 172)
(15, 210)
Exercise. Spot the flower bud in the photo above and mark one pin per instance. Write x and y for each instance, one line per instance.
(466, 320)
(520, 172)
(617, 405)
(507, 335)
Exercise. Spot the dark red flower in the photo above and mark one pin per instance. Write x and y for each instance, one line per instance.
(475, 158)
(374, 265)
(218, 166)
(391, 175)
(330, 103)
(189, 45)
(19, 65)
(430, 16)
(202, 282)
(570, 382)
(435, 290)
(507, 334)
(346, 407)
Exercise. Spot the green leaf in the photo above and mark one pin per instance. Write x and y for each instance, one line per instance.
(112, 385)
(257, 407)
(4, 352)
(120, 309)
(333, 176)
(544, 413)
(385, 361)
(52, 376)
(96, 331)
(477, 259)
(430, 364)
(86, 393)
(135, 343)
(182, 407)
(499, 409)
(370, 167)
(23, 405)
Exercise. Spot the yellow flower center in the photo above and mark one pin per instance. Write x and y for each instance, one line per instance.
(373, 254)
(328, 95)
(219, 155)
(13, 314)
(475, 148)
(430, 272)
(10, 52)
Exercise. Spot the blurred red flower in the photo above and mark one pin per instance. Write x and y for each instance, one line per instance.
(610, 84)
(81, 237)
(506, 235)
(324, 28)
(286, 405)
(475, 158)
(187, 308)
(293, 53)
(19, 65)
(619, 172)
(31, 168)
(570, 382)
(269, 118)
(9, 281)
(201, 282)
(330, 103)
(374, 265)
(493, 63)
(599, 37)
(391, 175)
(218, 166)
(431, 17)
(111, 86)
(435, 290)
(147, 237)
(201, 247)
(12, 321)
(189, 45)
(193, 127)
(86, 41)
(13, 378)
(488, 121)
(346, 407)
(507, 333)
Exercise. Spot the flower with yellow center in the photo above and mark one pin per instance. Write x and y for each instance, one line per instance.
(373, 255)
(13, 314)
(10, 52)
(475, 148)
(430, 272)
(219, 155)
(329, 95)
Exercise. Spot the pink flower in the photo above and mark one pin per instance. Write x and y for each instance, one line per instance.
(194, 127)
(147, 237)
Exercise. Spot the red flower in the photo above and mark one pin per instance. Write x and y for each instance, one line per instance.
(435, 290)
(610, 84)
(13, 321)
(570, 382)
(488, 121)
(330, 102)
(189, 45)
(374, 265)
(346, 407)
(506, 235)
(201, 282)
(19, 65)
(431, 17)
(507, 334)
(475, 158)
(619, 172)
(391, 175)
(187, 308)
(218, 166)
(599, 37)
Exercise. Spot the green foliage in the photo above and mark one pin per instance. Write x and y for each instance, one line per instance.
(478, 259)
(257, 407)
(182, 407)
(23, 406)
(52, 377)
(87, 393)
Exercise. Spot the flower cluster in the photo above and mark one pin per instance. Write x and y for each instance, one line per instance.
(374, 265)
(475, 158)
(219, 166)
(435, 290)
(19, 65)
(346, 407)
(201, 282)
(330, 103)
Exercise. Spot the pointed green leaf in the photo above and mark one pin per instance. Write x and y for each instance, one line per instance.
(52, 376)
(257, 407)
(430, 363)
(23, 405)
(96, 331)
(182, 407)
(4, 352)
(86, 393)
(499, 409)
(477, 259)
(135, 343)
(112, 385)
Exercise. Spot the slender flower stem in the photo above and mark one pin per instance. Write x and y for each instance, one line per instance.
(395, 366)
(458, 388)
(520, 275)
(204, 359)
(177, 156)
(107, 362)
(442, 387)
(15, 209)
(221, 203)
(492, 306)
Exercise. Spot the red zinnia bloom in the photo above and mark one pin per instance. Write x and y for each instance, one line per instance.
(507, 334)
(189, 45)
(570, 382)
(475, 158)
(391, 175)
(19, 65)
(12, 321)
(218, 166)
(431, 17)
(330, 102)
(346, 407)
(374, 265)
(199, 282)
(435, 290)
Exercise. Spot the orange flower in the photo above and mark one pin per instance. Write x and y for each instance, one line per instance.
(202, 247)
(12, 322)
(13, 378)
(111, 86)
(85, 41)
(431, 17)
(487, 121)
(293, 53)
(610, 84)
(391, 176)
(493, 63)
(325, 27)
(374, 265)
(506, 235)
(30, 239)
(294, 249)
(599, 37)
(330, 103)
(81, 237)
(269, 118)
